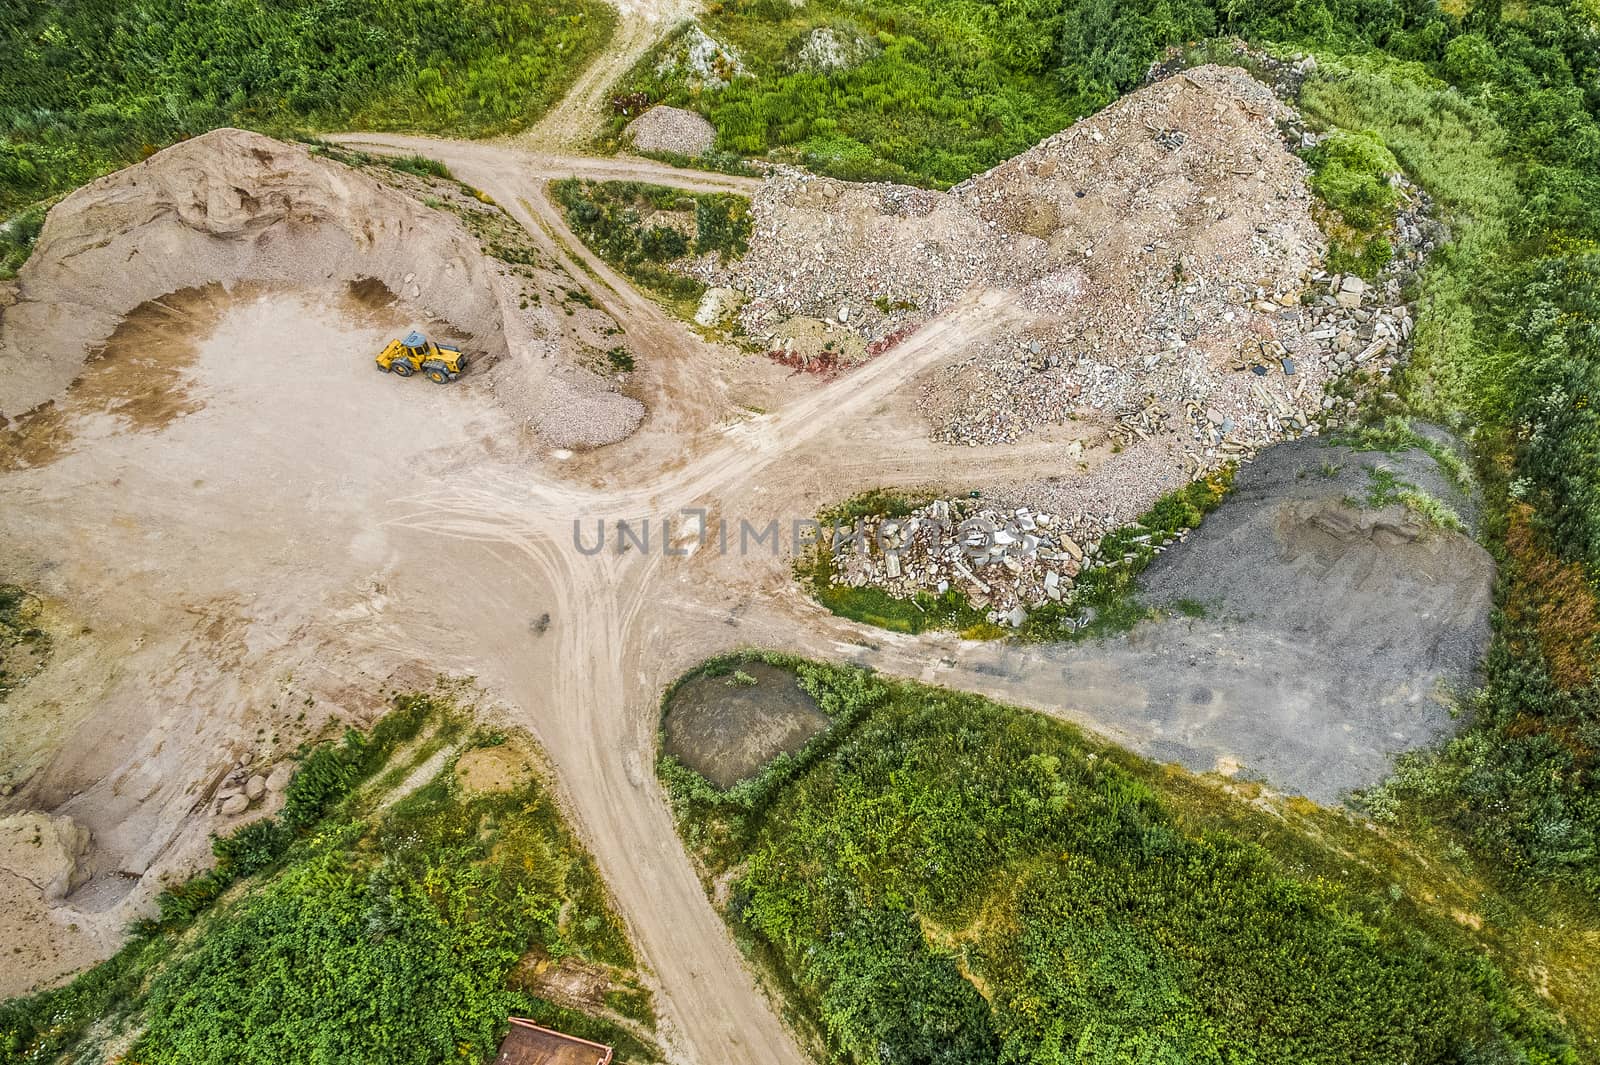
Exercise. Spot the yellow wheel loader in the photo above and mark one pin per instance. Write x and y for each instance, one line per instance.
(414, 352)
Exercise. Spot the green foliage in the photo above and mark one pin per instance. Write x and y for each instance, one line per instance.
(938, 846)
(717, 162)
(620, 359)
(90, 85)
(722, 224)
(1496, 119)
(1351, 172)
(42, 1027)
(876, 502)
(1104, 589)
(387, 939)
(389, 944)
(17, 236)
(640, 229)
(420, 165)
(20, 614)
(1523, 783)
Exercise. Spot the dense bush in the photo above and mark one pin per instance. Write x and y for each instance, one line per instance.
(88, 85)
(386, 947)
(947, 880)
(641, 228)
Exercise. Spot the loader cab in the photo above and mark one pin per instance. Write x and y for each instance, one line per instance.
(417, 346)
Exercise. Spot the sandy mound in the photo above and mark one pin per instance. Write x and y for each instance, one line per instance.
(671, 129)
(234, 207)
(229, 206)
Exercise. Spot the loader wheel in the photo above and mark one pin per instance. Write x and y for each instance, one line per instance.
(402, 368)
(438, 377)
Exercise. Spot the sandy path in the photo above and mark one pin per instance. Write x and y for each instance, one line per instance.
(580, 116)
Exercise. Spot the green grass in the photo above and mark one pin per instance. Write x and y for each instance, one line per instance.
(17, 236)
(420, 165)
(877, 503)
(924, 612)
(943, 879)
(640, 229)
(87, 86)
(937, 101)
(344, 930)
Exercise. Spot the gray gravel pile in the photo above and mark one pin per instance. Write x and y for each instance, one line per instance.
(671, 129)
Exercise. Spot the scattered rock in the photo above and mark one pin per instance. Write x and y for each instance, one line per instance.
(278, 779)
(828, 49)
(715, 306)
(707, 63)
(234, 805)
(255, 787)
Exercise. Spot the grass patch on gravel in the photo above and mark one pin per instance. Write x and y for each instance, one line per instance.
(642, 230)
(350, 928)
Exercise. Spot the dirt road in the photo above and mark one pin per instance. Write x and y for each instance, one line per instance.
(264, 544)
(579, 118)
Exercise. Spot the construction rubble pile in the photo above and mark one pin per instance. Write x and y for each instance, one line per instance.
(1002, 561)
(1177, 316)
(836, 267)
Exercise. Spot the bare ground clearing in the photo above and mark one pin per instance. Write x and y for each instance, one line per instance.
(303, 532)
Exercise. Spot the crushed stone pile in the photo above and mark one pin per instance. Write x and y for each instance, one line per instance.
(863, 262)
(671, 129)
(1179, 318)
(1003, 561)
(1164, 245)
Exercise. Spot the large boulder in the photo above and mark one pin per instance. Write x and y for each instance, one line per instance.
(45, 850)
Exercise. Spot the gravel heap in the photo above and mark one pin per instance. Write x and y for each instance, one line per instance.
(1181, 319)
(671, 129)
(864, 262)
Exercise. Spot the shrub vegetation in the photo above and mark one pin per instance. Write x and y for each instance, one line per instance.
(640, 229)
(358, 932)
(938, 878)
(87, 86)
(1492, 109)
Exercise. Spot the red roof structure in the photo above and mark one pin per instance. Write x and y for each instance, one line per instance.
(529, 1044)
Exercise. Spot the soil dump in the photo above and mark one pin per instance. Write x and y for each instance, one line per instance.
(1320, 541)
(232, 207)
(726, 727)
(1322, 573)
